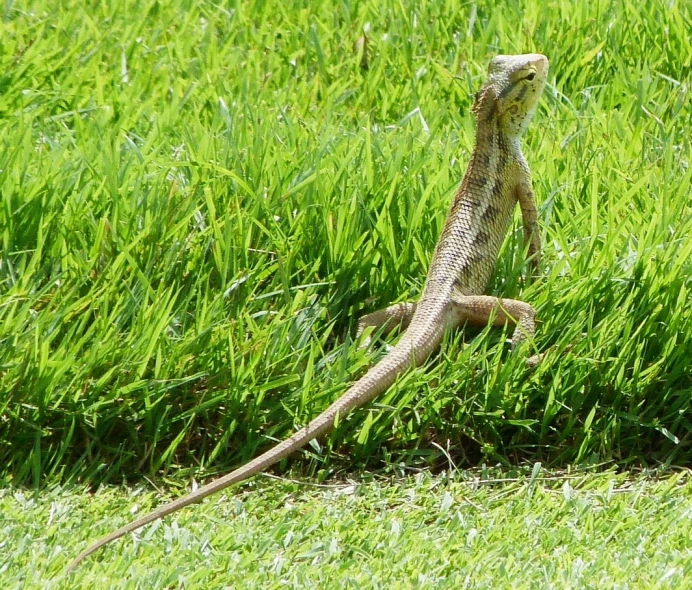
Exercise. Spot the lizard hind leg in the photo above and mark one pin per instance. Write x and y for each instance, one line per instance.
(399, 314)
(481, 309)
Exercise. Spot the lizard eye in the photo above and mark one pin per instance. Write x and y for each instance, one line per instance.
(531, 75)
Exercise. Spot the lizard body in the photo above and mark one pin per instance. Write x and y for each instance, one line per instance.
(497, 178)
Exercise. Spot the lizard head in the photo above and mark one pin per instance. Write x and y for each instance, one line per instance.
(512, 91)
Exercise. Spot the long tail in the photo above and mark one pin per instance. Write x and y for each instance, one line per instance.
(422, 337)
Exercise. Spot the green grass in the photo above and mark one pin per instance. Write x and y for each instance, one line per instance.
(197, 200)
(470, 531)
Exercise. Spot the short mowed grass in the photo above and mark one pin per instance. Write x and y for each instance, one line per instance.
(197, 200)
(465, 530)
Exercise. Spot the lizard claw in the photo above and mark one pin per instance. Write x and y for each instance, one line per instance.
(533, 361)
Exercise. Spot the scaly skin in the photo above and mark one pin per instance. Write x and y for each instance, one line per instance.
(497, 178)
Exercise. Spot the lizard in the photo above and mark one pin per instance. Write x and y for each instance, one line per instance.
(464, 259)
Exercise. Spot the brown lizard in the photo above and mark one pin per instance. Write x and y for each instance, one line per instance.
(497, 178)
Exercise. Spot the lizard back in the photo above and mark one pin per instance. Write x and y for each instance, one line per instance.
(466, 253)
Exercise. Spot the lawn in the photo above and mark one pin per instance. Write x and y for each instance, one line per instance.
(197, 201)
(461, 530)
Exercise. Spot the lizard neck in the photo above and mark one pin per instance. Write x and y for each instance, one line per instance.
(478, 221)
(494, 153)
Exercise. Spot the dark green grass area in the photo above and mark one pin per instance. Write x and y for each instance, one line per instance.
(197, 200)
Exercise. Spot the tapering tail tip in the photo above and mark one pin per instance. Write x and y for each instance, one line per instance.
(77, 560)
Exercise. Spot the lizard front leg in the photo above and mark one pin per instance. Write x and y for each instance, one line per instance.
(478, 310)
(527, 204)
(387, 318)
